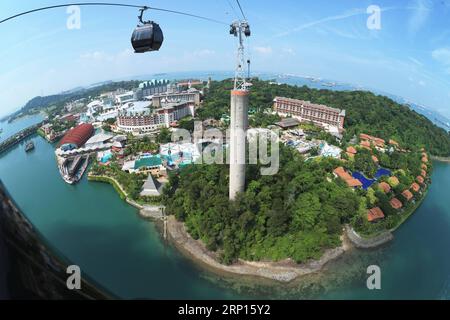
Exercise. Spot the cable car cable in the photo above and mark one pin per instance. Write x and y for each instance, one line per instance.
(114, 5)
(232, 8)
(242, 11)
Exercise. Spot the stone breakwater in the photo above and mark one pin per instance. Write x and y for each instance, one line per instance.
(366, 243)
(283, 271)
(441, 159)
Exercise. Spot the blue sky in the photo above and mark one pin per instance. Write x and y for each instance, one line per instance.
(409, 56)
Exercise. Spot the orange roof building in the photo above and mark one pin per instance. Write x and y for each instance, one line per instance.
(354, 183)
(341, 173)
(424, 166)
(424, 159)
(351, 150)
(423, 173)
(385, 187)
(407, 194)
(376, 141)
(393, 142)
(396, 204)
(379, 143)
(365, 143)
(344, 175)
(375, 159)
(351, 155)
(374, 214)
(420, 179)
(415, 187)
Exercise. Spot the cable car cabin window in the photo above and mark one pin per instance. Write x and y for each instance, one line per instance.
(143, 33)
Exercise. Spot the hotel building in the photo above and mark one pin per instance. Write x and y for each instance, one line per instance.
(191, 95)
(306, 111)
(150, 121)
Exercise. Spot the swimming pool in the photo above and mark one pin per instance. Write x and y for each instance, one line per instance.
(106, 157)
(382, 172)
(366, 182)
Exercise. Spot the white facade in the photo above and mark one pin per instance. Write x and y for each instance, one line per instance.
(143, 122)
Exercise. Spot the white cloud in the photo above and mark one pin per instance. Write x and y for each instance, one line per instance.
(421, 10)
(349, 14)
(442, 55)
(288, 51)
(415, 61)
(203, 53)
(263, 50)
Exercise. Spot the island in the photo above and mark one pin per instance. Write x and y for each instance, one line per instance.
(353, 168)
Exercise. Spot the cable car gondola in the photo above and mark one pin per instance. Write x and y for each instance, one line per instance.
(147, 37)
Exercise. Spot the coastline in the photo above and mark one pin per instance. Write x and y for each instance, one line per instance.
(367, 243)
(441, 159)
(282, 271)
(145, 211)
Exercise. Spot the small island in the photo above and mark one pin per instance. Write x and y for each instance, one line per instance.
(349, 179)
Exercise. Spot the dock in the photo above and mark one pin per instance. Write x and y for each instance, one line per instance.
(19, 136)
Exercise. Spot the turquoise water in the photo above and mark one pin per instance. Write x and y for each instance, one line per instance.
(96, 230)
(106, 157)
(366, 182)
(10, 129)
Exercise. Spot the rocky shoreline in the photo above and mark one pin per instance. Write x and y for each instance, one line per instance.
(441, 159)
(367, 243)
(282, 271)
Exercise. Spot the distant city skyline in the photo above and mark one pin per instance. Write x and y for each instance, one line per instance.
(408, 57)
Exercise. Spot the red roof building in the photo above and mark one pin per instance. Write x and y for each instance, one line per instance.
(415, 187)
(78, 136)
(393, 142)
(344, 175)
(420, 179)
(374, 214)
(407, 194)
(354, 183)
(351, 150)
(396, 204)
(386, 188)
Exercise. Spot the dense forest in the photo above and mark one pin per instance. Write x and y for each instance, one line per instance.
(300, 212)
(297, 213)
(366, 112)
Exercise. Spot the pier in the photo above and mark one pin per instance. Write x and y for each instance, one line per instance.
(19, 136)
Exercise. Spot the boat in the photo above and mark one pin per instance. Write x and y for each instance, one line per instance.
(73, 170)
(29, 146)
